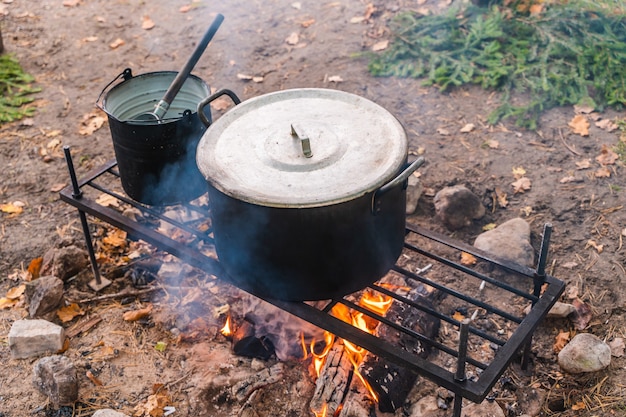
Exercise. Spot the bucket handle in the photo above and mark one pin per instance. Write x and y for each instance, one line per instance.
(126, 74)
(399, 179)
(212, 97)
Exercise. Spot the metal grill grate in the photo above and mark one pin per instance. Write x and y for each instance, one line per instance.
(492, 292)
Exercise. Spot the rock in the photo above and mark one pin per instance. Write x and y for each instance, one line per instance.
(64, 262)
(43, 295)
(584, 353)
(509, 241)
(425, 407)
(457, 206)
(413, 194)
(55, 376)
(484, 409)
(107, 412)
(561, 310)
(34, 337)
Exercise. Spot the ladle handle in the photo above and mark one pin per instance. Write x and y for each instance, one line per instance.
(178, 82)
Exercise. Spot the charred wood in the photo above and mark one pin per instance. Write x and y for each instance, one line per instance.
(246, 343)
(390, 382)
(334, 381)
(243, 389)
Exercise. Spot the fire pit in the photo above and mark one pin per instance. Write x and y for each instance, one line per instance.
(495, 297)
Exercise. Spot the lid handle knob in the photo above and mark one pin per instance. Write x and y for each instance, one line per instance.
(304, 140)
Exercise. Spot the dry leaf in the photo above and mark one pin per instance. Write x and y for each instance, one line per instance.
(34, 267)
(147, 23)
(357, 19)
(468, 128)
(93, 378)
(7, 303)
(607, 156)
(501, 198)
(370, 9)
(14, 208)
(602, 172)
(584, 164)
(570, 265)
(135, 315)
(527, 210)
(245, 77)
(468, 259)
(153, 407)
(521, 185)
(565, 180)
(71, 3)
(607, 125)
(536, 9)
(293, 39)
(561, 340)
(458, 316)
(493, 144)
(335, 79)
(380, 46)
(305, 24)
(580, 405)
(583, 314)
(115, 238)
(90, 123)
(221, 104)
(90, 39)
(117, 43)
(579, 125)
(185, 8)
(68, 313)
(15, 292)
(617, 347)
(107, 200)
(443, 132)
(55, 188)
(518, 172)
(489, 226)
(257, 79)
(592, 244)
(296, 5)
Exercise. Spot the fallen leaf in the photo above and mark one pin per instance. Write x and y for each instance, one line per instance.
(296, 5)
(14, 208)
(617, 347)
(185, 8)
(583, 314)
(561, 340)
(34, 267)
(15, 292)
(443, 132)
(93, 378)
(117, 43)
(380, 46)
(518, 172)
(147, 23)
(458, 316)
(602, 172)
(580, 405)
(306, 23)
(521, 185)
(135, 315)
(468, 259)
(536, 9)
(527, 210)
(107, 200)
(68, 313)
(584, 164)
(245, 77)
(153, 407)
(293, 39)
(570, 265)
(607, 156)
(592, 244)
(55, 188)
(607, 125)
(489, 226)
(370, 9)
(71, 3)
(501, 198)
(7, 303)
(468, 128)
(579, 125)
(116, 238)
(493, 144)
(90, 123)
(335, 79)
(257, 79)
(565, 180)
(357, 19)
(160, 346)
(90, 39)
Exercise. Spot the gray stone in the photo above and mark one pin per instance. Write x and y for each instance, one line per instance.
(43, 295)
(413, 194)
(584, 353)
(457, 207)
(55, 376)
(34, 337)
(107, 412)
(64, 262)
(561, 310)
(509, 241)
(484, 409)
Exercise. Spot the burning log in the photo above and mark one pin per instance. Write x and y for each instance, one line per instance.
(244, 389)
(333, 382)
(391, 382)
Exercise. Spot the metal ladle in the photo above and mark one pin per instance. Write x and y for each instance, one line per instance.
(164, 104)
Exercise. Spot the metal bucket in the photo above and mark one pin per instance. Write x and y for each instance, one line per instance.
(156, 158)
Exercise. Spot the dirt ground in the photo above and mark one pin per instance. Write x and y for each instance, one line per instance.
(73, 49)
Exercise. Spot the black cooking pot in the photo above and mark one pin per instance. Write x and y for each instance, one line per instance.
(308, 192)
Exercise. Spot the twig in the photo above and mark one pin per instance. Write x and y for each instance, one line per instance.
(569, 148)
(123, 293)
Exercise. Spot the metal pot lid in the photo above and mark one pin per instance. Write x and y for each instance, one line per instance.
(302, 148)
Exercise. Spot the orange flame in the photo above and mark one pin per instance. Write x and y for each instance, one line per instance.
(227, 329)
(321, 413)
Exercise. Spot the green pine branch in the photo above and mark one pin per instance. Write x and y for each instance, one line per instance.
(16, 89)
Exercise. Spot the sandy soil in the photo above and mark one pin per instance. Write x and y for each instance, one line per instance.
(69, 46)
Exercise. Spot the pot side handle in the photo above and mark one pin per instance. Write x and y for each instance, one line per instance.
(127, 74)
(212, 97)
(397, 181)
